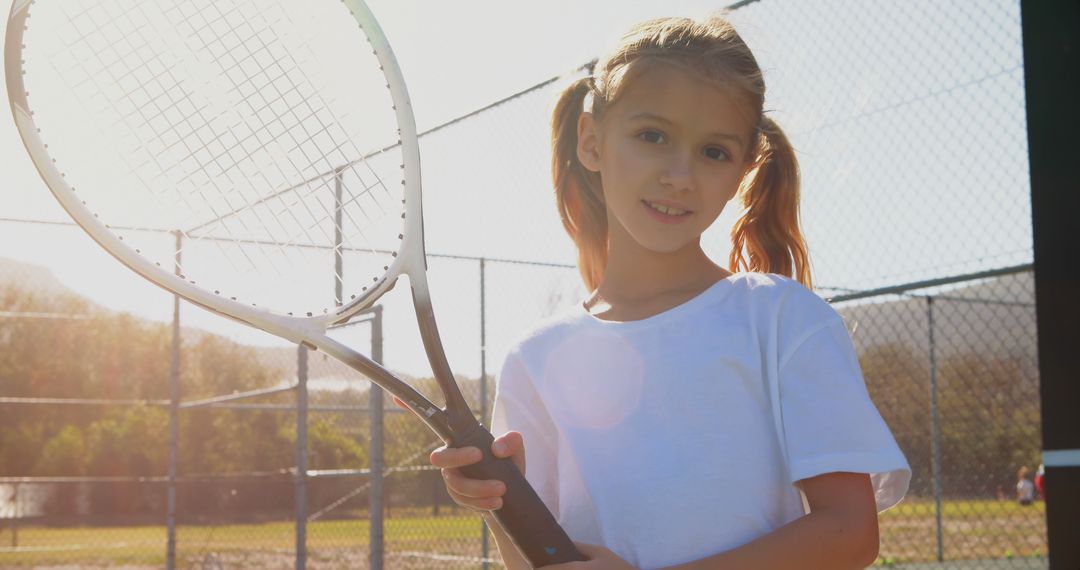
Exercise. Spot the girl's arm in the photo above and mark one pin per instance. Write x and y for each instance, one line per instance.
(480, 495)
(841, 531)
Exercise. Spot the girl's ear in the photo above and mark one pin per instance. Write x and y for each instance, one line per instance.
(588, 146)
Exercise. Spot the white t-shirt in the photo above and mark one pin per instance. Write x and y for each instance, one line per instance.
(1025, 489)
(665, 438)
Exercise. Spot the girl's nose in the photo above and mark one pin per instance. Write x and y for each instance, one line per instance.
(678, 172)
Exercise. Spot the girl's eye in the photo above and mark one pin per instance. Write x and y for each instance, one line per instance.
(651, 136)
(715, 153)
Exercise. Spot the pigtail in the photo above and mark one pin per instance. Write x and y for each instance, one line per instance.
(577, 190)
(767, 237)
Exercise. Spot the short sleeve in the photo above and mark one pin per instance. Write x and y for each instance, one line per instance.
(828, 420)
(518, 407)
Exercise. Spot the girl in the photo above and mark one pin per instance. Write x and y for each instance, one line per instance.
(1025, 489)
(684, 416)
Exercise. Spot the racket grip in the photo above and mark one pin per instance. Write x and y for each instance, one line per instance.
(524, 517)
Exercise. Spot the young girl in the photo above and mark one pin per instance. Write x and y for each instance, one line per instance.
(684, 416)
(1025, 489)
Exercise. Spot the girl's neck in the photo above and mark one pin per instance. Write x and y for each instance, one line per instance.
(644, 283)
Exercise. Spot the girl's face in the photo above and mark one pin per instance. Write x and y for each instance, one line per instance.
(670, 151)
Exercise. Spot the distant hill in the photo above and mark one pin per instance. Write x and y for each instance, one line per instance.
(35, 278)
(994, 316)
(42, 282)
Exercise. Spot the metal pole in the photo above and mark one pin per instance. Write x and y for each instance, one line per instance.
(174, 416)
(935, 430)
(375, 490)
(301, 456)
(485, 546)
(15, 516)
(1051, 81)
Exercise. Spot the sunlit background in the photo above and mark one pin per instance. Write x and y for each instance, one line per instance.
(909, 122)
(911, 137)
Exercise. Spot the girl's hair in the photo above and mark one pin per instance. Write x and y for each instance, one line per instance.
(766, 237)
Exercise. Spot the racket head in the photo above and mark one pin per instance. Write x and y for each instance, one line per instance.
(237, 156)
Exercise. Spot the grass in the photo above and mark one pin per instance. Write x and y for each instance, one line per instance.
(971, 530)
(968, 509)
(146, 545)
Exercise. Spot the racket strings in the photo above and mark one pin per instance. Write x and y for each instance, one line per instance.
(221, 166)
(324, 154)
(229, 70)
(321, 155)
(194, 129)
(298, 145)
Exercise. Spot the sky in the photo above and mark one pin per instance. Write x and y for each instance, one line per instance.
(908, 118)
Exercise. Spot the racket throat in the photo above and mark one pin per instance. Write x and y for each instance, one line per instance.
(463, 426)
(456, 405)
(466, 434)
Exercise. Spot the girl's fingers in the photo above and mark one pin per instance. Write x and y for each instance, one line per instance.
(512, 445)
(507, 444)
(489, 504)
(449, 457)
(477, 494)
(472, 488)
(472, 493)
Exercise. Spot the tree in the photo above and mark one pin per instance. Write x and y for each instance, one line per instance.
(63, 455)
(898, 381)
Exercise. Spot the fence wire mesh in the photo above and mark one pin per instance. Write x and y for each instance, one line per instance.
(909, 122)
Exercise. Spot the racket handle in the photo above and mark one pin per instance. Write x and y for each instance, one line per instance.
(526, 519)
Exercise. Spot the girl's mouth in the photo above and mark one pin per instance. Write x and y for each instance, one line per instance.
(666, 214)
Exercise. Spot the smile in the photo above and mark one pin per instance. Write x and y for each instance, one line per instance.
(670, 211)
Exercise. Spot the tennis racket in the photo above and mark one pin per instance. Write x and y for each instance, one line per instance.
(258, 158)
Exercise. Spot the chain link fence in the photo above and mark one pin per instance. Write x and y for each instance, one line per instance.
(909, 121)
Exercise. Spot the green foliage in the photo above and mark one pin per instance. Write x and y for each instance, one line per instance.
(988, 416)
(19, 444)
(212, 366)
(64, 454)
(128, 441)
(118, 356)
(109, 356)
(989, 422)
(897, 379)
(329, 448)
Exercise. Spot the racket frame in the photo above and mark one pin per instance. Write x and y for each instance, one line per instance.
(409, 260)
(528, 523)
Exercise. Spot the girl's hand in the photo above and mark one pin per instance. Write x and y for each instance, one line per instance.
(599, 558)
(475, 494)
(478, 494)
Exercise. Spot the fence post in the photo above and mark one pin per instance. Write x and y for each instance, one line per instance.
(174, 418)
(935, 430)
(15, 516)
(485, 547)
(375, 490)
(301, 456)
